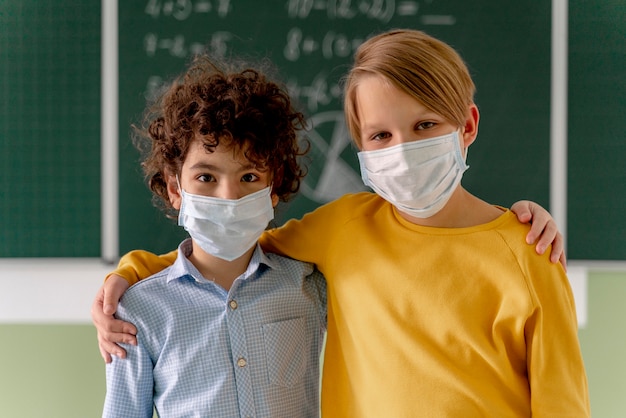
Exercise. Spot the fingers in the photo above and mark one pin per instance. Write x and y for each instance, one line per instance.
(97, 315)
(563, 260)
(558, 251)
(105, 355)
(557, 248)
(108, 348)
(109, 338)
(546, 236)
(543, 234)
(117, 331)
(111, 331)
(113, 289)
(523, 210)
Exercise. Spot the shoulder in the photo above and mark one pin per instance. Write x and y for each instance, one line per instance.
(151, 304)
(155, 281)
(357, 200)
(297, 271)
(299, 278)
(281, 264)
(513, 232)
(148, 290)
(350, 206)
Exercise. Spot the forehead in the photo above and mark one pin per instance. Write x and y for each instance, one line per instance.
(377, 98)
(378, 89)
(225, 152)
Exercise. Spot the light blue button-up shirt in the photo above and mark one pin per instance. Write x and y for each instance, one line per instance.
(204, 352)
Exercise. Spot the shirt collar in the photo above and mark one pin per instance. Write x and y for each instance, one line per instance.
(183, 267)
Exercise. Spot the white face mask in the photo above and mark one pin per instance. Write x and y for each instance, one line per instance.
(226, 228)
(417, 177)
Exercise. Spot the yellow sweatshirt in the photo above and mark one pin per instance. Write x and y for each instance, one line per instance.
(432, 322)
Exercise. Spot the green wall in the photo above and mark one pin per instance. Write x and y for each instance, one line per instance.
(603, 342)
(52, 371)
(56, 370)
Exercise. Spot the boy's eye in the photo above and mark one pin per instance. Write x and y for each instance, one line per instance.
(425, 125)
(249, 178)
(381, 136)
(206, 178)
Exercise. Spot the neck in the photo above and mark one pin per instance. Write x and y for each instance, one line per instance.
(462, 210)
(218, 270)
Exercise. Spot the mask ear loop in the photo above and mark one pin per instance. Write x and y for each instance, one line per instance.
(466, 149)
(180, 189)
(180, 218)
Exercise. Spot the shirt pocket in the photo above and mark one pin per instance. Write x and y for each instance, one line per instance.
(286, 351)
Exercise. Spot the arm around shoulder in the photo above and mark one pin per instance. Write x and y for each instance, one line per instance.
(133, 266)
(139, 264)
(307, 239)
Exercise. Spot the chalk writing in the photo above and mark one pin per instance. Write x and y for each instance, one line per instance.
(331, 45)
(177, 46)
(306, 31)
(382, 10)
(316, 94)
(183, 9)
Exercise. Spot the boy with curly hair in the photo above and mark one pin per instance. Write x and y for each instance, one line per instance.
(227, 330)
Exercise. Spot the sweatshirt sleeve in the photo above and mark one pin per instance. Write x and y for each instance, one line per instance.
(139, 264)
(303, 239)
(556, 371)
(308, 239)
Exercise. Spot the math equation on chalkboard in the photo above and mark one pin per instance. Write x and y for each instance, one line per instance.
(307, 39)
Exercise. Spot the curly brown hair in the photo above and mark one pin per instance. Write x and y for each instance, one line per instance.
(217, 103)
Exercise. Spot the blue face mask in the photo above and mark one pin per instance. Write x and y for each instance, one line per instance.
(418, 177)
(226, 228)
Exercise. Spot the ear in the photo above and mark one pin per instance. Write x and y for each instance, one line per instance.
(173, 191)
(275, 199)
(470, 130)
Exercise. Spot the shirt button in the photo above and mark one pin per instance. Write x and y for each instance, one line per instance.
(241, 362)
(233, 304)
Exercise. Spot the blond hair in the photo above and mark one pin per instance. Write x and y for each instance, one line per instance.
(425, 68)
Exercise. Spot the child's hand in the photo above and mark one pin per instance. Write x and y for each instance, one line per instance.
(110, 330)
(543, 227)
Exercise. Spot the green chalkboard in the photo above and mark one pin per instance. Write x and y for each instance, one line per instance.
(597, 130)
(50, 105)
(49, 128)
(506, 45)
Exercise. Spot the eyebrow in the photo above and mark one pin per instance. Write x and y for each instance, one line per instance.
(205, 166)
(368, 130)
